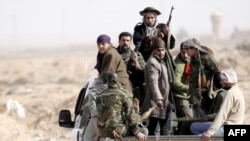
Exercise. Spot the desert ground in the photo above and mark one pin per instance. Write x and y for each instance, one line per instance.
(45, 80)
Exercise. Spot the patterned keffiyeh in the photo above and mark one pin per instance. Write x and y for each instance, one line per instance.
(192, 42)
(151, 30)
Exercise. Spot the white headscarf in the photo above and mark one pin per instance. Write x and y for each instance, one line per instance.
(229, 76)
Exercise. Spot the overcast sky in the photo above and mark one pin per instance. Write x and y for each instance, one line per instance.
(38, 22)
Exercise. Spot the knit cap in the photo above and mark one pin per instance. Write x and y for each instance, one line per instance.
(103, 38)
(158, 43)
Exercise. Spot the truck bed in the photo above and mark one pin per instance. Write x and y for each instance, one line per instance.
(175, 138)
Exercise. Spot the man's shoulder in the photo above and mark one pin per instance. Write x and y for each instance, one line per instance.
(178, 59)
(112, 51)
(139, 55)
(139, 25)
(116, 92)
(161, 25)
(98, 89)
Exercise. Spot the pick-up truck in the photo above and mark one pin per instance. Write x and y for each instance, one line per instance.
(65, 120)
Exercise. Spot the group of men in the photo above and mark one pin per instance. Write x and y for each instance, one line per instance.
(132, 82)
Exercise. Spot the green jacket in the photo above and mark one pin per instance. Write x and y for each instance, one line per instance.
(180, 85)
(217, 101)
(210, 66)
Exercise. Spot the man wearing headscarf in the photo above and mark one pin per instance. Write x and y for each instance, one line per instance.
(232, 110)
(203, 65)
(109, 60)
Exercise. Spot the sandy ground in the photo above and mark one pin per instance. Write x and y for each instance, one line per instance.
(44, 82)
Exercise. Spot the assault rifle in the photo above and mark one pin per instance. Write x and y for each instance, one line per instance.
(168, 57)
(170, 16)
(202, 83)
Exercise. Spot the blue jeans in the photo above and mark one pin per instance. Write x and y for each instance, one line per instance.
(197, 111)
(198, 128)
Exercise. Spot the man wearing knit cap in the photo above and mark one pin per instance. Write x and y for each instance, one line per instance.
(203, 67)
(232, 110)
(109, 60)
(157, 89)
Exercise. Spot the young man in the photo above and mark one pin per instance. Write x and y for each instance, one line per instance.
(157, 89)
(203, 67)
(181, 86)
(135, 64)
(109, 60)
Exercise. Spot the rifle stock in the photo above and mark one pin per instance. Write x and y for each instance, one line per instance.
(203, 80)
(202, 75)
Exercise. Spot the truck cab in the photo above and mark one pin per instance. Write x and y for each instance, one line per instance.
(65, 115)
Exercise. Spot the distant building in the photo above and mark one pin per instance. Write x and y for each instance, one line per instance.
(216, 19)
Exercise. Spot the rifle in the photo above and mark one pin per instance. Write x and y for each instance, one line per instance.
(168, 57)
(209, 117)
(202, 75)
(201, 83)
(170, 16)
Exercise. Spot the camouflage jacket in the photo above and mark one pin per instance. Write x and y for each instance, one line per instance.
(210, 66)
(116, 112)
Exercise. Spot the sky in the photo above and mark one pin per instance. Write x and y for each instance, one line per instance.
(56, 22)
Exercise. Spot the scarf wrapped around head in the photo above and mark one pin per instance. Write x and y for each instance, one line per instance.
(193, 42)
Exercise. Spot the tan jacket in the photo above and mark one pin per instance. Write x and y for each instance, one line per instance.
(112, 62)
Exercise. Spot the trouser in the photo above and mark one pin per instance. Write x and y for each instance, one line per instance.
(165, 124)
(197, 111)
(182, 110)
(198, 128)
